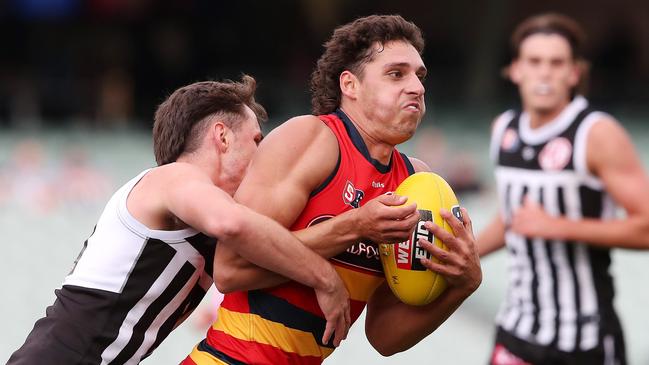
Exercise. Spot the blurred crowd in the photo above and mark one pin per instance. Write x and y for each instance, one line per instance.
(105, 64)
(34, 181)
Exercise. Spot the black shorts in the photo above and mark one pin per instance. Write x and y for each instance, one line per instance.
(511, 350)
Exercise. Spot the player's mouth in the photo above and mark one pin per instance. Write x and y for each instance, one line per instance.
(542, 89)
(413, 106)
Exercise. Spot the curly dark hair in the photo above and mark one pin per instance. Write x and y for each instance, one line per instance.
(350, 48)
(180, 121)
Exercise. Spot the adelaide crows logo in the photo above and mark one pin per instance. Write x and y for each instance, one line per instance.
(352, 196)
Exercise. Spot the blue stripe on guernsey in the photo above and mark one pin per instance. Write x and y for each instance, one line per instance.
(279, 310)
(203, 346)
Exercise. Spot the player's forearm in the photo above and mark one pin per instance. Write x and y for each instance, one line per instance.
(631, 232)
(267, 244)
(332, 236)
(329, 238)
(410, 324)
(246, 277)
(234, 273)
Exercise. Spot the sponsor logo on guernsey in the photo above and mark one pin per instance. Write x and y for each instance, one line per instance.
(367, 250)
(352, 196)
(556, 154)
(363, 255)
(377, 184)
(409, 252)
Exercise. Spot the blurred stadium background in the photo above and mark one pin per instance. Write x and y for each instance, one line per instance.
(79, 81)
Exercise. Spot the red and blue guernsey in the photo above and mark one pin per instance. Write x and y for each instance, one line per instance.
(283, 324)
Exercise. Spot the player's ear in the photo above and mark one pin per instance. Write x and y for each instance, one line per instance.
(348, 84)
(513, 72)
(576, 72)
(220, 136)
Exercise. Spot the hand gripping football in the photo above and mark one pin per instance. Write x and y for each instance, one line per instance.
(409, 280)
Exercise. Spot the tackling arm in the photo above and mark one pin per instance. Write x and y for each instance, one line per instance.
(191, 196)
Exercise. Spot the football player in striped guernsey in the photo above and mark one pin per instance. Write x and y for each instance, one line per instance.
(149, 261)
(561, 169)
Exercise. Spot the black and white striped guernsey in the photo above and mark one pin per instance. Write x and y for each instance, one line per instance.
(560, 293)
(129, 288)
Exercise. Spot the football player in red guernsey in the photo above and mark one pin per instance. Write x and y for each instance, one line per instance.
(368, 97)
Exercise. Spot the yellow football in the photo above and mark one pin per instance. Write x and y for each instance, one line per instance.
(409, 280)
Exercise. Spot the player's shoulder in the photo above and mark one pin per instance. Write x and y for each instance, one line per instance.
(419, 165)
(303, 123)
(604, 119)
(502, 119)
(302, 147)
(301, 132)
(604, 128)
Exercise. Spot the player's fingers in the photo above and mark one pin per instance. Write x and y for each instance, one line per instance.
(439, 268)
(392, 199)
(457, 226)
(407, 224)
(348, 319)
(443, 235)
(467, 218)
(401, 212)
(329, 328)
(437, 252)
(341, 330)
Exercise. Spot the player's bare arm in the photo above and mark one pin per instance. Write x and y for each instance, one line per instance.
(492, 237)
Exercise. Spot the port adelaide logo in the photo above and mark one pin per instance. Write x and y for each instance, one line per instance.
(409, 252)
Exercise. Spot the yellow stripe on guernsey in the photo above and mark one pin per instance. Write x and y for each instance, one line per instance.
(252, 327)
(204, 358)
(360, 285)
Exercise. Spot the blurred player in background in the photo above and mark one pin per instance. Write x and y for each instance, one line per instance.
(149, 261)
(368, 92)
(561, 168)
